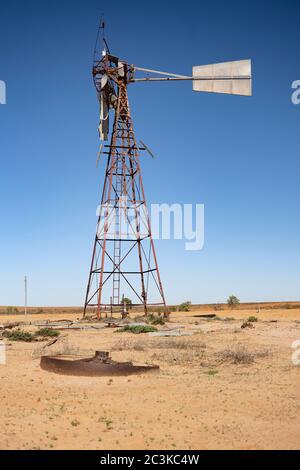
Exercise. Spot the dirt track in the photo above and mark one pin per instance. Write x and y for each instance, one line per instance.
(200, 399)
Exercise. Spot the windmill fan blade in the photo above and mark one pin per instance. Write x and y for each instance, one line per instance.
(147, 149)
(107, 100)
(104, 116)
(232, 78)
(99, 154)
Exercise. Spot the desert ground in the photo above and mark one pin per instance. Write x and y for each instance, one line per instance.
(220, 386)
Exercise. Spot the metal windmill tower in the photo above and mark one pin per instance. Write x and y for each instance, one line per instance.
(124, 260)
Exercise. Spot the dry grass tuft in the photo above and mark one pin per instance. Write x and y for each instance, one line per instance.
(240, 355)
(178, 351)
(127, 345)
(159, 343)
(178, 343)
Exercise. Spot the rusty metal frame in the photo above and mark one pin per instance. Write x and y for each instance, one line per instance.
(122, 179)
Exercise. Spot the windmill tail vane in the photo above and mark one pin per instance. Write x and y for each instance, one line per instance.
(124, 262)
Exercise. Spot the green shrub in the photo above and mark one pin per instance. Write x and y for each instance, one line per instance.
(21, 335)
(47, 332)
(233, 301)
(185, 306)
(18, 335)
(137, 329)
(252, 319)
(211, 372)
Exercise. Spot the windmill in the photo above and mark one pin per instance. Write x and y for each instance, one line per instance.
(124, 261)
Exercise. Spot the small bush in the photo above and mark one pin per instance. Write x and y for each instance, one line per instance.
(166, 314)
(179, 343)
(18, 335)
(239, 355)
(125, 345)
(252, 319)
(233, 301)
(47, 332)
(75, 422)
(137, 329)
(155, 319)
(211, 372)
(247, 324)
(184, 307)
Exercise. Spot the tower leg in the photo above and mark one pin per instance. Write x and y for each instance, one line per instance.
(124, 255)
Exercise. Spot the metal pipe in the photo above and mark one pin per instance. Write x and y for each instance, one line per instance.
(160, 73)
(187, 78)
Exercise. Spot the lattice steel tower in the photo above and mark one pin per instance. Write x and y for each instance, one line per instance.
(124, 261)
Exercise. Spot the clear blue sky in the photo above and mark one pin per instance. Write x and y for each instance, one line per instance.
(239, 156)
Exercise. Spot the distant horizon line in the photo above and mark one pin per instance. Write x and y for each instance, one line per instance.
(256, 302)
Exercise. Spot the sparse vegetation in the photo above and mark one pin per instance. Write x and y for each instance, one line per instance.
(108, 423)
(238, 355)
(233, 301)
(185, 306)
(178, 343)
(241, 355)
(247, 324)
(75, 423)
(252, 319)
(211, 372)
(18, 335)
(137, 329)
(47, 332)
(159, 343)
(178, 351)
(21, 335)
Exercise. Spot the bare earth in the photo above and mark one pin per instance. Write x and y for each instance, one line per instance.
(200, 400)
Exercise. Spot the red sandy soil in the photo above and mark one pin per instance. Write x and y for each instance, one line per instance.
(200, 400)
